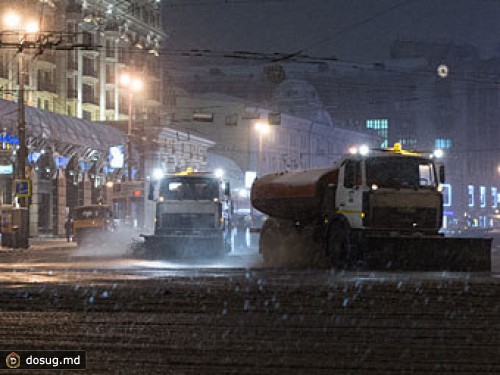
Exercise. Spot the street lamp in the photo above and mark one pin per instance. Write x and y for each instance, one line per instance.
(14, 23)
(12, 20)
(262, 128)
(133, 84)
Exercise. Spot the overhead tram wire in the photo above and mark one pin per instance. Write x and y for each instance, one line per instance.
(185, 4)
(300, 58)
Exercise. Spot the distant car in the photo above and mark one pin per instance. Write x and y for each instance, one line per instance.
(91, 222)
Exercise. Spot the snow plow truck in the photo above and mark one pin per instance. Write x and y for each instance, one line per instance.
(193, 213)
(379, 210)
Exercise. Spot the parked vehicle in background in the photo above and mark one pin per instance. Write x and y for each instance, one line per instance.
(92, 224)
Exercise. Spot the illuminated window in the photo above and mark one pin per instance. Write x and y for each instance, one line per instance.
(494, 197)
(442, 143)
(408, 143)
(381, 126)
(471, 195)
(482, 196)
(446, 189)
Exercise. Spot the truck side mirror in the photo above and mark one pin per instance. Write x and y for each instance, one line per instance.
(441, 174)
(227, 189)
(151, 193)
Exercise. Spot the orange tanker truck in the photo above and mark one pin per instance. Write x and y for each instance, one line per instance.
(378, 209)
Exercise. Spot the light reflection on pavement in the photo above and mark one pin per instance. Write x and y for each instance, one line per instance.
(93, 264)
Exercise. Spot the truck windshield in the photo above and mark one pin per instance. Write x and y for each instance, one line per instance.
(400, 172)
(189, 188)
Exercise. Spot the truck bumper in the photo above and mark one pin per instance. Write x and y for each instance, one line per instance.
(178, 244)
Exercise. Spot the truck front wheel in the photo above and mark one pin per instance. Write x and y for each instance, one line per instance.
(339, 242)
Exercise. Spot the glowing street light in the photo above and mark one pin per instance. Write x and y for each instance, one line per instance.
(443, 71)
(262, 128)
(438, 153)
(219, 173)
(158, 174)
(364, 150)
(133, 84)
(32, 27)
(12, 20)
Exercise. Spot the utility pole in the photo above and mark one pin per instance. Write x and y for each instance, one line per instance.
(23, 224)
(22, 152)
(129, 136)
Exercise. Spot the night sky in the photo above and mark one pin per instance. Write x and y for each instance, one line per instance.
(346, 29)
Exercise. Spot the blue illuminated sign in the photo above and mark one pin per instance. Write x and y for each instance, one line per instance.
(33, 157)
(23, 188)
(61, 161)
(116, 156)
(9, 138)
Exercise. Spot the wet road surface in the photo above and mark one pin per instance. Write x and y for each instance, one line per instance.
(233, 315)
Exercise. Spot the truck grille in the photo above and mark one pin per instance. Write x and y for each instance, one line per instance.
(403, 218)
(192, 221)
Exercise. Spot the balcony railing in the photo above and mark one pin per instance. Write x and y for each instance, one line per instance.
(110, 104)
(91, 99)
(72, 64)
(46, 86)
(48, 57)
(72, 94)
(89, 70)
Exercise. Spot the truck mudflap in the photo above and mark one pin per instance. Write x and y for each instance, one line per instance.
(429, 253)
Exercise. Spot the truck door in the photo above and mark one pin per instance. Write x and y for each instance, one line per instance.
(350, 193)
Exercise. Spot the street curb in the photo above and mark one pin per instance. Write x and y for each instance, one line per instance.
(34, 248)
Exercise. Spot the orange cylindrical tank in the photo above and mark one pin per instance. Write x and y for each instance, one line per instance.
(293, 195)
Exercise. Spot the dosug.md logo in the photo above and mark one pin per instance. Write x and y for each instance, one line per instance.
(13, 360)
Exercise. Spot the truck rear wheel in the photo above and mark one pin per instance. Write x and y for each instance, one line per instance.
(282, 243)
(269, 241)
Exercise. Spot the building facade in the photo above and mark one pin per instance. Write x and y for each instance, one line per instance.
(291, 143)
(76, 108)
(426, 95)
(120, 36)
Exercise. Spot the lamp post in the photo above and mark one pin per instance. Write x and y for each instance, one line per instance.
(14, 23)
(133, 84)
(262, 128)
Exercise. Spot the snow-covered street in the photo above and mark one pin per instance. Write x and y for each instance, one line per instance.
(135, 316)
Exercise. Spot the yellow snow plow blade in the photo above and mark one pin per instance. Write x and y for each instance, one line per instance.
(427, 254)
